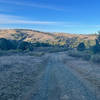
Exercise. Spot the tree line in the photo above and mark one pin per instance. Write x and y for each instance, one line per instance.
(23, 45)
(94, 49)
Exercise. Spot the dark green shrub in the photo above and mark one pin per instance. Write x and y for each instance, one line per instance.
(96, 58)
(38, 44)
(98, 38)
(75, 54)
(81, 47)
(87, 57)
(23, 46)
(78, 54)
(6, 44)
(96, 48)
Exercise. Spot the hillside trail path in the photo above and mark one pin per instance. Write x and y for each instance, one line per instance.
(58, 82)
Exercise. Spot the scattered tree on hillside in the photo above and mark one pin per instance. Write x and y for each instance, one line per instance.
(98, 38)
(23, 46)
(81, 47)
(96, 48)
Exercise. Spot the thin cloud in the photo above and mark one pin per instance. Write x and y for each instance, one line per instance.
(36, 5)
(81, 26)
(10, 19)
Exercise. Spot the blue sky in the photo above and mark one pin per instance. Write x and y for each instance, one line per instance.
(71, 16)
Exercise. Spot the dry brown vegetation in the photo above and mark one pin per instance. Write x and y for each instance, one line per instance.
(87, 70)
(32, 35)
(80, 36)
(18, 74)
(21, 70)
(85, 55)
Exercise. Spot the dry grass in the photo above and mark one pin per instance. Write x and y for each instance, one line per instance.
(96, 58)
(87, 70)
(79, 54)
(18, 75)
(80, 36)
(37, 54)
(41, 36)
(85, 55)
(31, 35)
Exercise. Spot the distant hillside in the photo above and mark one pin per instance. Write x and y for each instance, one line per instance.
(51, 38)
(26, 35)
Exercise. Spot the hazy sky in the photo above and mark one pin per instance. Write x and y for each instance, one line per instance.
(72, 16)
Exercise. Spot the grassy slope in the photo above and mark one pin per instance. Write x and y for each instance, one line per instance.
(33, 36)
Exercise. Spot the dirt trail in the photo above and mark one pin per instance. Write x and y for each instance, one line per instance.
(49, 77)
(59, 83)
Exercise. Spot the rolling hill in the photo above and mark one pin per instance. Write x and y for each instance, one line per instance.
(45, 37)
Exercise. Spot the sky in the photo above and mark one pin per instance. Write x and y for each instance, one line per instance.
(70, 16)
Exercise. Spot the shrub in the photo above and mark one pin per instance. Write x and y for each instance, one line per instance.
(2, 53)
(39, 44)
(96, 58)
(6, 44)
(38, 54)
(75, 53)
(23, 46)
(98, 38)
(86, 57)
(78, 54)
(96, 49)
(81, 47)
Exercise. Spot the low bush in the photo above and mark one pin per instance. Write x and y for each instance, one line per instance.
(88, 56)
(81, 47)
(2, 53)
(96, 58)
(84, 55)
(25, 46)
(75, 53)
(96, 49)
(6, 44)
(38, 54)
(9, 52)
